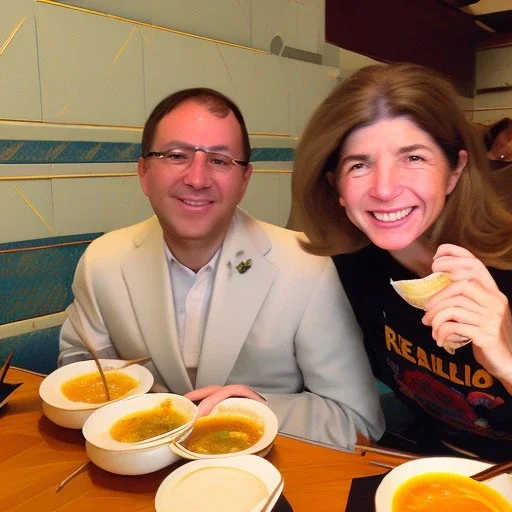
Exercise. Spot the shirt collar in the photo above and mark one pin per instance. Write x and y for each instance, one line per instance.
(210, 266)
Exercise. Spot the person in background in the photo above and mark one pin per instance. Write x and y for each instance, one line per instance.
(390, 179)
(223, 303)
(498, 141)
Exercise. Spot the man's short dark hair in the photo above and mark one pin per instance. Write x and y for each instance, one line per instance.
(217, 103)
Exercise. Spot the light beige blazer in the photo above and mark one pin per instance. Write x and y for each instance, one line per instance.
(284, 327)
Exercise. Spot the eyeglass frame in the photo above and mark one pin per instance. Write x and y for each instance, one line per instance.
(194, 149)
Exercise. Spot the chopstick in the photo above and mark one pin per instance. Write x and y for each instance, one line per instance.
(382, 464)
(385, 451)
(72, 475)
(267, 505)
(128, 362)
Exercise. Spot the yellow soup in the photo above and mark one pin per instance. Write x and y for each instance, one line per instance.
(442, 492)
(147, 423)
(89, 387)
(223, 433)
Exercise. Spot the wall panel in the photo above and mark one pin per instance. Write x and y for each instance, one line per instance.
(27, 209)
(304, 100)
(262, 197)
(19, 74)
(85, 205)
(91, 68)
(173, 62)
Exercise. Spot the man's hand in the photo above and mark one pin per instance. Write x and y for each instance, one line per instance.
(210, 396)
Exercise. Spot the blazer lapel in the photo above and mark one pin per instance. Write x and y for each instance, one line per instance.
(147, 279)
(237, 297)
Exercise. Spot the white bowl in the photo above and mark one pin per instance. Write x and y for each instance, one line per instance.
(397, 476)
(257, 466)
(131, 458)
(65, 412)
(247, 407)
(129, 462)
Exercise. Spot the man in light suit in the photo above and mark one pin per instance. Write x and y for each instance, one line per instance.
(224, 304)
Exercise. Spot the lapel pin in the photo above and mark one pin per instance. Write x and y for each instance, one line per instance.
(244, 266)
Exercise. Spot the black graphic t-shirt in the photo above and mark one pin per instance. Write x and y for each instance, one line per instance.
(459, 401)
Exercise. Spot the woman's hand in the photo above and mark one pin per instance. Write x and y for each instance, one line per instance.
(210, 396)
(472, 307)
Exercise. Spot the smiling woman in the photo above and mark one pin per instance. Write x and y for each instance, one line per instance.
(393, 175)
(390, 178)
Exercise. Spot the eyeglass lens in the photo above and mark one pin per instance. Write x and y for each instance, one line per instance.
(183, 157)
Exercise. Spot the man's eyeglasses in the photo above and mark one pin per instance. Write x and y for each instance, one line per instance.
(182, 157)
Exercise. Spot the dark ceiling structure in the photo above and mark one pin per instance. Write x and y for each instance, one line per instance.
(440, 34)
(487, 14)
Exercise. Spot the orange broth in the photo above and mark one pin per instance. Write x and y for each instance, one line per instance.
(442, 492)
(141, 425)
(89, 387)
(223, 433)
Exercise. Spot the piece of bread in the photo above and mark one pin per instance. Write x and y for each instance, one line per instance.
(417, 292)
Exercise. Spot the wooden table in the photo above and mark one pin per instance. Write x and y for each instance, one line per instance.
(36, 455)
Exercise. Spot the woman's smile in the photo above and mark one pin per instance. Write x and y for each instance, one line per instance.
(392, 216)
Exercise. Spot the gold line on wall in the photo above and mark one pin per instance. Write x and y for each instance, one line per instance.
(123, 46)
(11, 35)
(77, 125)
(110, 175)
(131, 128)
(63, 109)
(151, 25)
(49, 246)
(67, 176)
(33, 208)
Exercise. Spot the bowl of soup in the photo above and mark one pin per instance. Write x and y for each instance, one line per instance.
(244, 483)
(132, 436)
(73, 392)
(236, 426)
(438, 484)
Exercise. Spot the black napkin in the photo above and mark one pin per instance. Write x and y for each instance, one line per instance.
(282, 505)
(362, 493)
(6, 390)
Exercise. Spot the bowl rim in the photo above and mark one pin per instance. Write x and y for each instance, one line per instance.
(114, 411)
(269, 419)
(459, 465)
(56, 378)
(257, 466)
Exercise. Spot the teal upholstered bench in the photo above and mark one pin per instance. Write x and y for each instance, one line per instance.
(35, 289)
